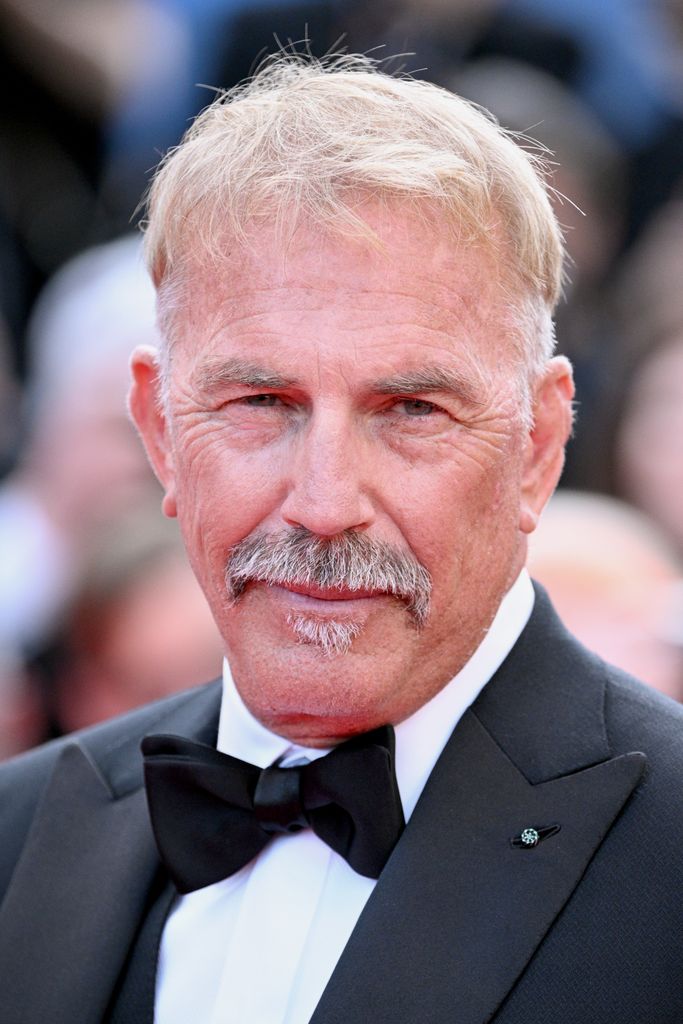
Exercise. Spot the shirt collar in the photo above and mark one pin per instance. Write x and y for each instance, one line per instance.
(420, 738)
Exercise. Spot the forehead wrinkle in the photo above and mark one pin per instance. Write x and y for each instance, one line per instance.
(217, 373)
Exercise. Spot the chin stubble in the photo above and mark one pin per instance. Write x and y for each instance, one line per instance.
(332, 637)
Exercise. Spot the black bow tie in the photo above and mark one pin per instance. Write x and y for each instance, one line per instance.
(212, 813)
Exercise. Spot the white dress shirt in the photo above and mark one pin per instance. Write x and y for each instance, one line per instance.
(259, 947)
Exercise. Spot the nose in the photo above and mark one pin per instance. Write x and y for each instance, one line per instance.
(327, 494)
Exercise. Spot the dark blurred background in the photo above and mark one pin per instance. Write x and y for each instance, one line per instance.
(98, 609)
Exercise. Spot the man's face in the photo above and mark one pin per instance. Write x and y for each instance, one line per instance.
(338, 391)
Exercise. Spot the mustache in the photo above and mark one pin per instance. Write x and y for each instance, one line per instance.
(350, 560)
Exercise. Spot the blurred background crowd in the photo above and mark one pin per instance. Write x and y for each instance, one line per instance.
(98, 609)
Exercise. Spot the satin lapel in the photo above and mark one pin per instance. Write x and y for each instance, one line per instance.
(75, 899)
(458, 911)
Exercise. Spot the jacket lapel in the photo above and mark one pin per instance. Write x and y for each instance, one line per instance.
(459, 911)
(64, 934)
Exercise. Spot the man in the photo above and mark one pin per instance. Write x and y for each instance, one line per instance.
(357, 419)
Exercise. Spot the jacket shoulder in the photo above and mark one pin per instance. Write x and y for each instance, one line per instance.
(113, 746)
(639, 718)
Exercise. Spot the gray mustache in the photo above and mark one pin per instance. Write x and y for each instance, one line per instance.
(351, 560)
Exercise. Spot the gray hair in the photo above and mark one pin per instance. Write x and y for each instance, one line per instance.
(306, 138)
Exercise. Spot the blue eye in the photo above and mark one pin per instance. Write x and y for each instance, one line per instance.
(262, 401)
(416, 407)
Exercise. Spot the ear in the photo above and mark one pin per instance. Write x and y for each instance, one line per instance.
(544, 453)
(146, 406)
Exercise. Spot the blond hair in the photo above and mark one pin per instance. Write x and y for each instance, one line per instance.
(306, 138)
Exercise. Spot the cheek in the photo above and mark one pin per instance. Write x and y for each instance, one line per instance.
(222, 497)
(466, 521)
(460, 492)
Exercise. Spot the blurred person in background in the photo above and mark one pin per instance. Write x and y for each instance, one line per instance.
(21, 717)
(636, 451)
(80, 465)
(137, 628)
(617, 583)
(648, 436)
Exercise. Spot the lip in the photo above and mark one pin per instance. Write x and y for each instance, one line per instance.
(330, 593)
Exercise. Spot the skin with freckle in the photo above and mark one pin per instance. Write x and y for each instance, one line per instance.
(342, 388)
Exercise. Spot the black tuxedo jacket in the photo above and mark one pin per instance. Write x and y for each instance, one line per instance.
(462, 927)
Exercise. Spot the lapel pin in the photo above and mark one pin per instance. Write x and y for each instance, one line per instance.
(530, 837)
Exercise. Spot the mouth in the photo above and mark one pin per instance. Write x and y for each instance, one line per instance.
(381, 574)
(329, 593)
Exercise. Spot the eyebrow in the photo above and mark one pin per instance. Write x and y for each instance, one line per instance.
(210, 376)
(428, 379)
